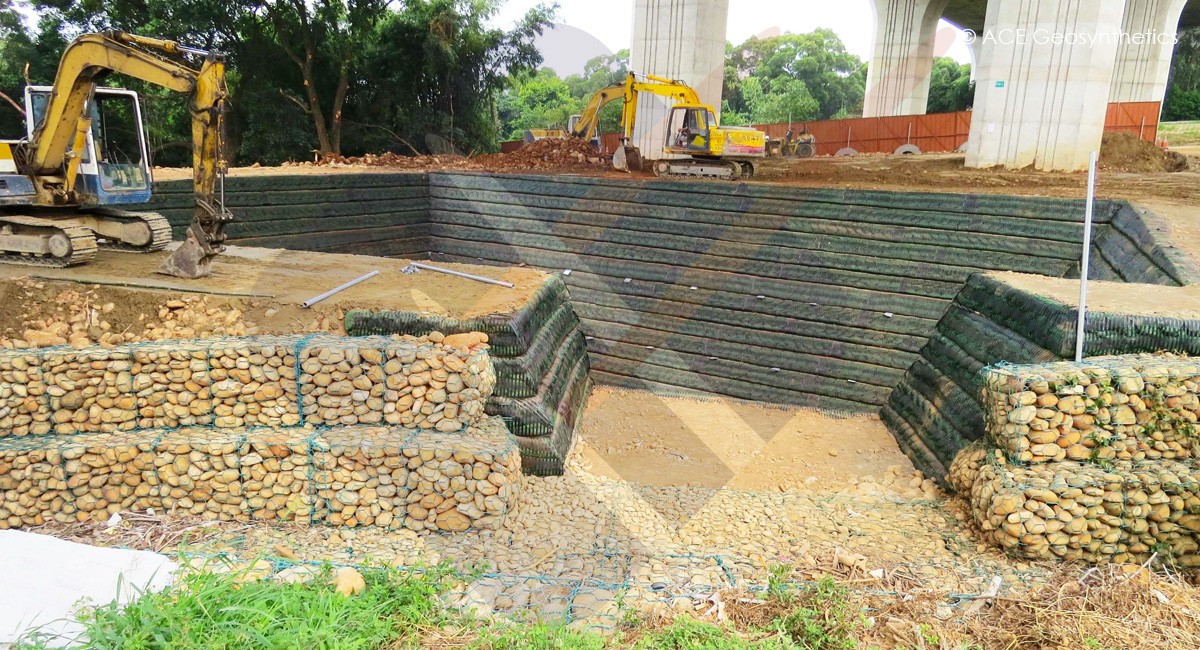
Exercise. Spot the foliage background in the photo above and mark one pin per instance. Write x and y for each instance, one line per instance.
(320, 77)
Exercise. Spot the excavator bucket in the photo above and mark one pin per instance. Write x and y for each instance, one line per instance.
(627, 158)
(190, 260)
(619, 160)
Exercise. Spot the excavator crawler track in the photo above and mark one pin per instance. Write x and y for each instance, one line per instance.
(160, 230)
(68, 244)
(729, 170)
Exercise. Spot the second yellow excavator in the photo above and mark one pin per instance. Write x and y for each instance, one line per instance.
(713, 151)
(84, 156)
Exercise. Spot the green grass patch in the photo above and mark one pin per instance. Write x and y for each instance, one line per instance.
(206, 611)
(400, 610)
(1180, 133)
(536, 637)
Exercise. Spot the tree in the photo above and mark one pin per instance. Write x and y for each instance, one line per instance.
(19, 48)
(950, 86)
(789, 102)
(833, 77)
(325, 29)
(543, 100)
(1183, 94)
(537, 101)
(730, 117)
(437, 70)
(600, 72)
(330, 76)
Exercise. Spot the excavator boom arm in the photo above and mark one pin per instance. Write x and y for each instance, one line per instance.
(83, 63)
(589, 120)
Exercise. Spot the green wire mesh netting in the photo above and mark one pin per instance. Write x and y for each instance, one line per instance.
(1137, 407)
(349, 476)
(275, 381)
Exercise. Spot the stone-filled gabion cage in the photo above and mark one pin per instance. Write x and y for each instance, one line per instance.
(380, 431)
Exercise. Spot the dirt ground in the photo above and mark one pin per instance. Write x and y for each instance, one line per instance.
(1113, 297)
(659, 440)
(948, 173)
(1183, 223)
(1130, 169)
(267, 287)
(935, 172)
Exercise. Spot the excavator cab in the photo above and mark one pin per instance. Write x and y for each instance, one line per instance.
(690, 130)
(114, 168)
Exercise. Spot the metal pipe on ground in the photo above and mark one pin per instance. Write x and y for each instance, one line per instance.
(477, 278)
(316, 299)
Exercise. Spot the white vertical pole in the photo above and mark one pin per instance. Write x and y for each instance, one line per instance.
(1087, 254)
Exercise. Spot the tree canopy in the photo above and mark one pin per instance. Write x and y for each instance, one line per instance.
(1183, 91)
(812, 75)
(323, 77)
(545, 101)
(307, 77)
(950, 86)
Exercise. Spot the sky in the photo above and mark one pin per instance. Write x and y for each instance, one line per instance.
(589, 28)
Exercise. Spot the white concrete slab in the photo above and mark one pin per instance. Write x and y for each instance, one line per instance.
(44, 581)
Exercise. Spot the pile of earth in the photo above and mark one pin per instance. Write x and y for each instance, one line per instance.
(548, 153)
(551, 154)
(395, 160)
(1125, 152)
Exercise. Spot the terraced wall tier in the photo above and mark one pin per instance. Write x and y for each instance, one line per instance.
(282, 381)
(351, 476)
(936, 410)
(1088, 461)
(542, 371)
(365, 213)
(1126, 512)
(1133, 248)
(1119, 408)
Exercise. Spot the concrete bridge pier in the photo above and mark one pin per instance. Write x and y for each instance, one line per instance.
(1042, 90)
(1144, 64)
(677, 39)
(902, 60)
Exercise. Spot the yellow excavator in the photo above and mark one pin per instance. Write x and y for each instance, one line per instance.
(84, 157)
(713, 151)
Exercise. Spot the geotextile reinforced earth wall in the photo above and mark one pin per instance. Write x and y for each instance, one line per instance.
(936, 410)
(791, 295)
(833, 298)
(365, 213)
